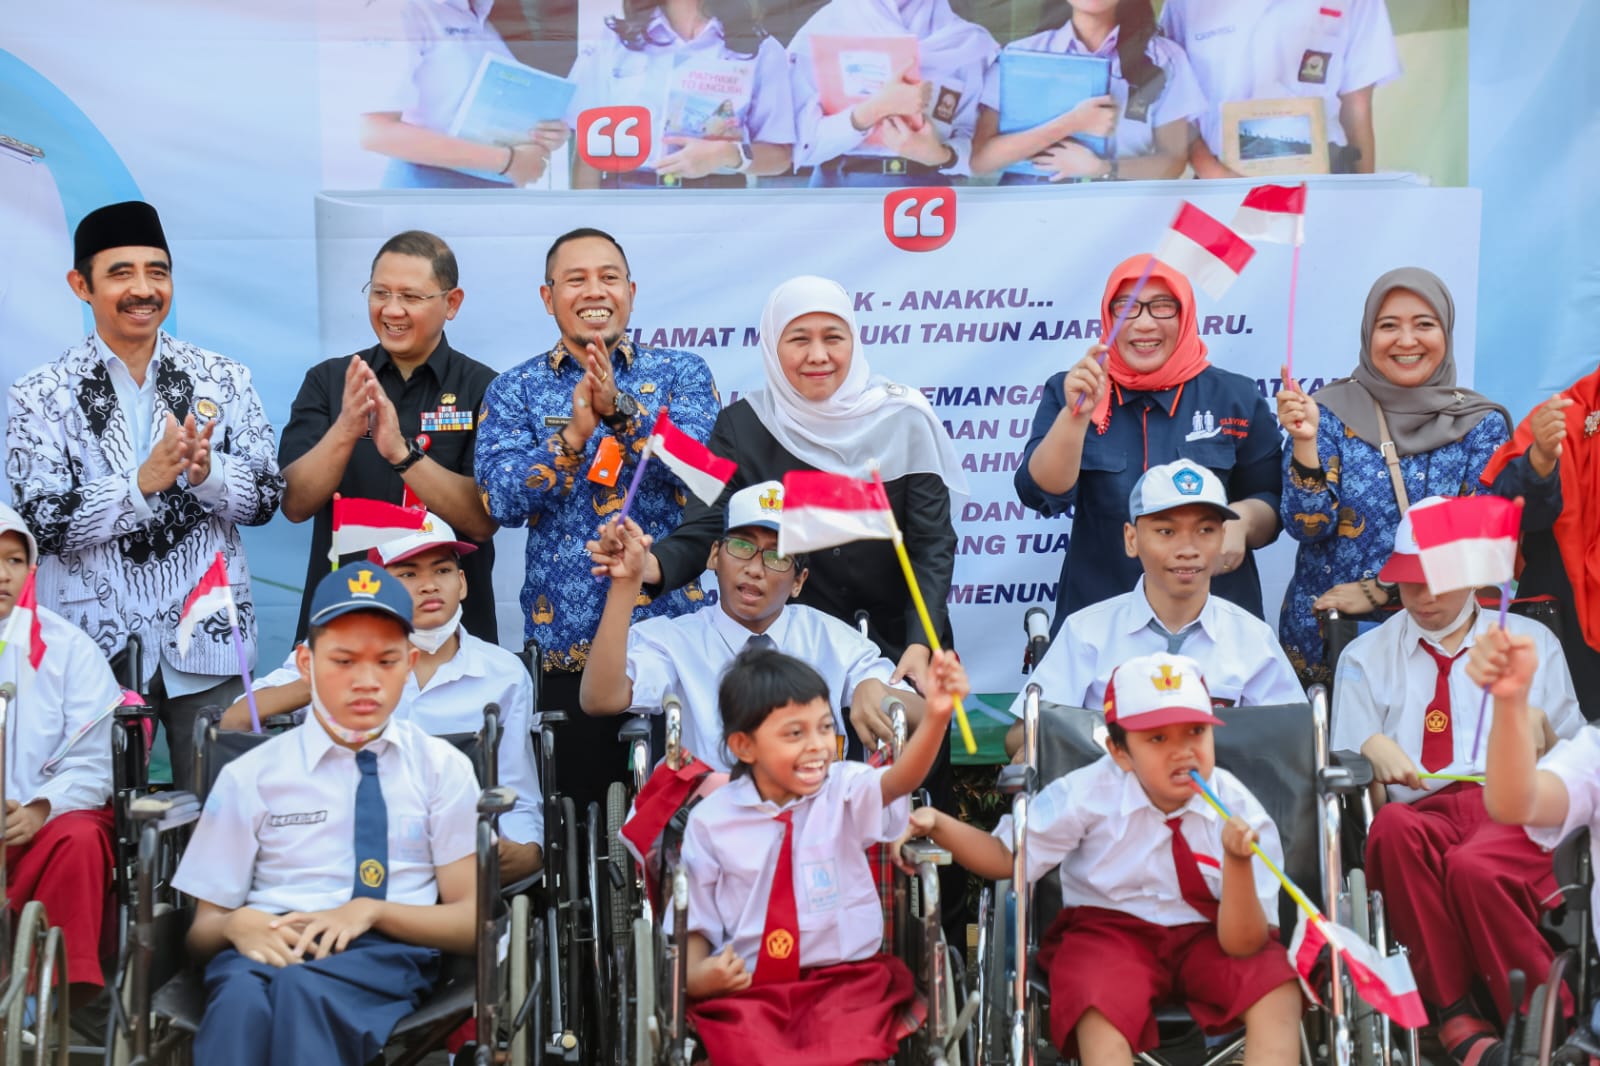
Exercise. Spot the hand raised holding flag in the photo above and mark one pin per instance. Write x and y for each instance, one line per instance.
(1299, 416)
(1085, 384)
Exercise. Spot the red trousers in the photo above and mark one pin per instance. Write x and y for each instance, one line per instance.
(1463, 893)
(67, 867)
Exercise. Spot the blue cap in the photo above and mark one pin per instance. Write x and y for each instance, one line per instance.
(360, 587)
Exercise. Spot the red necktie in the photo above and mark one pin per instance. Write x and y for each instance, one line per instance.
(779, 959)
(1438, 736)
(1191, 882)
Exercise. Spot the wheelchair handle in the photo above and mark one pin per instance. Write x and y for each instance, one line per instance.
(863, 622)
(672, 710)
(1036, 626)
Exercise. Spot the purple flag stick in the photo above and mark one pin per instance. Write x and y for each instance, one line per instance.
(1483, 705)
(1122, 316)
(244, 672)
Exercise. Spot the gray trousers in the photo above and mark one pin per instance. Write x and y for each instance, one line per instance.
(178, 713)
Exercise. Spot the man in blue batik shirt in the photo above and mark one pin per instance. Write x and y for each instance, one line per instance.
(558, 438)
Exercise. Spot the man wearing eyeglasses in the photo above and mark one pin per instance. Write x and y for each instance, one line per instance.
(632, 667)
(396, 422)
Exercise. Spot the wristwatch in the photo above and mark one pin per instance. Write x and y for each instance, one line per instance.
(413, 457)
(627, 409)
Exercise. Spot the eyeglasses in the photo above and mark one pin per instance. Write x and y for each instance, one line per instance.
(381, 297)
(1160, 307)
(772, 559)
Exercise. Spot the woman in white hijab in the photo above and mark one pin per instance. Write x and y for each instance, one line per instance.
(824, 409)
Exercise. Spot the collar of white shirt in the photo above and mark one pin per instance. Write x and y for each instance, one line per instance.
(737, 636)
(1411, 633)
(477, 9)
(1134, 798)
(111, 358)
(660, 30)
(316, 742)
(1074, 45)
(468, 661)
(742, 793)
(1141, 614)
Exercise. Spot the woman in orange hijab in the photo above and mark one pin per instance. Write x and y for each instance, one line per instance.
(1156, 399)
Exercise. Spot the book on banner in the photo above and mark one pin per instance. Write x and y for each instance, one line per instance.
(505, 100)
(1035, 87)
(705, 99)
(850, 69)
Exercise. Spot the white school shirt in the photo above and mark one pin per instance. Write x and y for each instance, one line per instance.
(957, 76)
(1576, 761)
(72, 688)
(1115, 851)
(1258, 50)
(1385, 684)
(278, 829)
(1239, 654)
(731, 848)
(687, 655)
(608, 73)
(479, 673)
(431, 50)
(1180, 99)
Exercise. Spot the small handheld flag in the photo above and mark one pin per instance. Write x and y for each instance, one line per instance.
(212, 594)
(1211, 254)
(360, 525)
(1277, 213)
(25, 619)
(705, 473)
(1467, 541)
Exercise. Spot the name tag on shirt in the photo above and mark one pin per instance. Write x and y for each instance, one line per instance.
(412, 842)
(447, 419)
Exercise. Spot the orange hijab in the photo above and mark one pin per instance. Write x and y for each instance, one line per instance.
(1187, 359)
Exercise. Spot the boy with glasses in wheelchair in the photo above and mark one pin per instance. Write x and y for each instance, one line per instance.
(333, 863)
(1462, 893)
(1160, 897)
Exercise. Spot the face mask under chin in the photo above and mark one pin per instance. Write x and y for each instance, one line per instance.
(431, 640)
(349, 736)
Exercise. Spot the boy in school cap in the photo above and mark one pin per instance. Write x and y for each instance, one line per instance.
(1155, 886)
(1174, 529)
(633, 667)
(1463, 893)
(455, 676)
(57, 844)
(333, 863)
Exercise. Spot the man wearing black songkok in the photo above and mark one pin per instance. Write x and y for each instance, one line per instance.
(134, 458)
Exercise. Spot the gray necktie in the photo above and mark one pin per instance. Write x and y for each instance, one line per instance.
(1174, 640)
(760, 641)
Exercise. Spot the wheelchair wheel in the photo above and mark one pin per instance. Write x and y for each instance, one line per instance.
(1364, 1020)
(26, 936)
(621, 882)
(1532, 1032)
(646, 1023)
(518, 978)
(993, 985)
(599, 963)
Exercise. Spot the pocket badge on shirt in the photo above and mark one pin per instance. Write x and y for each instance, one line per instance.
(411, 840)
(1314, 66)
(821, 881)
(206, 408)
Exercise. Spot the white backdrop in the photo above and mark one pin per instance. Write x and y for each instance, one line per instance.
(964, 322)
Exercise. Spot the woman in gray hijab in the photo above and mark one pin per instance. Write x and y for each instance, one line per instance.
(1398, 429)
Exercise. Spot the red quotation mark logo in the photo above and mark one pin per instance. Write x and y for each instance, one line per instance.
(920, 220)
(614, 138)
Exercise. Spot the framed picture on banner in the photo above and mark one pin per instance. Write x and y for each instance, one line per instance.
(1277, 136)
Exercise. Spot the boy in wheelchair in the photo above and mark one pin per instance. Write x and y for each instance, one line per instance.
(57, 844)
(784, 919)
(333, 863)
(1463, 893)
(1175, 529)
(456, 675)
(632, 667)
(1160, 897)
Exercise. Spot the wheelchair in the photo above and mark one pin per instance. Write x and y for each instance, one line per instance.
(166, 996)
(1545, 1038)
(1280, 754)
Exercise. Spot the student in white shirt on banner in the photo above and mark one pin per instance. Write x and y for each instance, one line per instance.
(716, 84)
(633, 668)
(1336, 51)
(924, 116)
(1174, 529)
(431, 50)
(1462, 892)
(1154, 96)
(57, 767)
(456, 675)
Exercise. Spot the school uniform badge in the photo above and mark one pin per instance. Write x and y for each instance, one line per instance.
(372, 873)
(206, 407)
(1436, 721)
(780, 943)
(945, 107)
(1314, 66)
(1187, 482)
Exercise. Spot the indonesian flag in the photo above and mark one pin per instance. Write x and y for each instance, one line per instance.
(821, 510)
(211, 595)
(360, 525)
(1209, 253)
(25, 619)
(705, 473)
(1384, 981)
(1467, 541)
(1275, 213)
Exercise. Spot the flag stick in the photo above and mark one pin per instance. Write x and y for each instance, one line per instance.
(333, 557)
(633, 486)
(1283, 879)
(1122, 316)
(1294, 284)
(244, 672)
(967, 738)
(1483, 704)
(1476, 779)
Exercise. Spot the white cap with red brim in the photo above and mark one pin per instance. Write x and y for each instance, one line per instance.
(1405, 562)
(435, 533)
(1151, 691)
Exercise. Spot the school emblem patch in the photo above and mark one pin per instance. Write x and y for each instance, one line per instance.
(1187, 482)
(780, 944)
(363, 584)
(1166, 680)
(1436, 721)
(772, 500)
(206, 408)
(372, 873)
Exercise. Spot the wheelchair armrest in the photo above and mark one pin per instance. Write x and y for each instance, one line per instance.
(497, 800)
(168, 810)
(552, 717)
(1337, 781)
(1013, 779)
(637, 727)
(1359, 765)
(920, 850)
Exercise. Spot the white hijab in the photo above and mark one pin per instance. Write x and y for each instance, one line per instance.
(869, 418)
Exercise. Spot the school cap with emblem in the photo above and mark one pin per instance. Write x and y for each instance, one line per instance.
(11, 522)
(1151, 691)
(132, 223)
(360, 587)
(435, 533)
(759, 505)
(1405, 562)
(1173, 485)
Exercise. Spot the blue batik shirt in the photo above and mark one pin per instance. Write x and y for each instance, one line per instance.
(527, 478)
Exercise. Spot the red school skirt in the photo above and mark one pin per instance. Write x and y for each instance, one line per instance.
(1124, 967)
(839, 1015)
